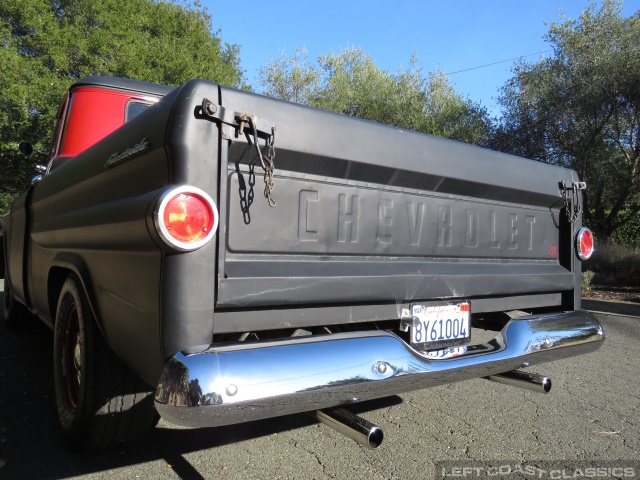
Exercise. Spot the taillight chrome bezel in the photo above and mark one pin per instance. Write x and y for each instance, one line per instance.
(161, 227)
(579, 236)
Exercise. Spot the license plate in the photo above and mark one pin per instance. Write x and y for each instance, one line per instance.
(440, 326)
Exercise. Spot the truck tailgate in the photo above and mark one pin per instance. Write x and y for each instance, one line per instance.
(368, 213)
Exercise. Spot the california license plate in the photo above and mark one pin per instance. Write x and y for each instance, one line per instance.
(440, 326)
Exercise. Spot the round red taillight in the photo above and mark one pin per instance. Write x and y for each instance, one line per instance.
(186, 218)
(584, 243)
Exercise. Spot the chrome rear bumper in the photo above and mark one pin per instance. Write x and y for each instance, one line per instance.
(232, 384)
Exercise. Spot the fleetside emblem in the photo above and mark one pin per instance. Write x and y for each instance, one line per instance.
(120, 157)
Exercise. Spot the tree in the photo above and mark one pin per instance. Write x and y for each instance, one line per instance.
(581, 109)
(350, 82)
(449, 115)
(290, 78)
(47, 45)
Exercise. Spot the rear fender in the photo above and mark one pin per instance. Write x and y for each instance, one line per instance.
(63, 265)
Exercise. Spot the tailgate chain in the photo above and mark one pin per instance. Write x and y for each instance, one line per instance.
(265, 160)
(572, 200)
(240, 120)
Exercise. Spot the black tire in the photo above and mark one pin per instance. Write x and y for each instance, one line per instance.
(101, 403)
(14, 312)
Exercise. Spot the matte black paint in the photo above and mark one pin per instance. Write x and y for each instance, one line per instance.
(349, 192)
(189, 280)
(303, 263)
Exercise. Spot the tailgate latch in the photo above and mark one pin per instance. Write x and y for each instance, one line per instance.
(259, 127)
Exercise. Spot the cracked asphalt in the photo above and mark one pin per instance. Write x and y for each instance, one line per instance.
(592, 413)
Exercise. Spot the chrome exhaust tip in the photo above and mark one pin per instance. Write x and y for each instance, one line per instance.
(350, 425)
(528, 381)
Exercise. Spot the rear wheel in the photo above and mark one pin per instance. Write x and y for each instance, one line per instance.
(101, 403)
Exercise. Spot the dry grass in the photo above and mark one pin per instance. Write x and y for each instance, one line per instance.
(621, 261)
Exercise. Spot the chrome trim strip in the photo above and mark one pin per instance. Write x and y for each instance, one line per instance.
(234, 384)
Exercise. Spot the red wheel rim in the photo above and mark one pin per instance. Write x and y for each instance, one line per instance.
(71, 357)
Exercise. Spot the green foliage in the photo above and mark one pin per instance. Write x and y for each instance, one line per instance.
(587, 279)
(354, 85)
(290, 78)
(46, 45)
(350, 82)
(449, 115)
(581, 109)
(5, 200)
(629, 233)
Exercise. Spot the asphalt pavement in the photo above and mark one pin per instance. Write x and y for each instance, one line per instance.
(591, 416)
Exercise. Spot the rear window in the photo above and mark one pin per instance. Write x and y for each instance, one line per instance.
(135, 108)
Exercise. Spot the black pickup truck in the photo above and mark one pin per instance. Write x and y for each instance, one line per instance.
(217, 257)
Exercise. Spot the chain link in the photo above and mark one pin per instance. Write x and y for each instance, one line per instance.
(246, 197)
(265, 160)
